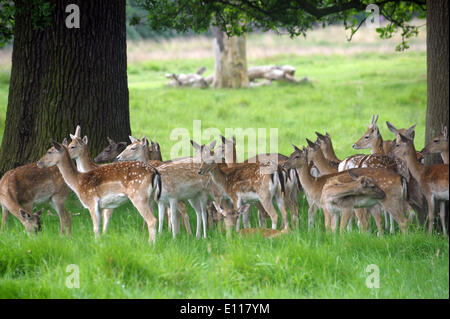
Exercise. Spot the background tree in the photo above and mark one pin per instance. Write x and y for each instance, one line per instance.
(61, 77)
(297, 17)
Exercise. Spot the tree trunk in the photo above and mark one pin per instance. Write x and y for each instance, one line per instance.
(62, 77)
(230, 70)
(437, 71)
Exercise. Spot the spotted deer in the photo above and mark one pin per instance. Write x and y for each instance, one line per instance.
(390, 182)
(433, 180)
(108, 186)
(230, 216)
(142, 150)
(110, 152)
(246, 182)
(26, 185)
(438, 145)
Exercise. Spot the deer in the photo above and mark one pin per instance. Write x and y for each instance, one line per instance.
(230, 216)
(110, 152)
(292, 183)
(390, 182)
(246, 182)
(341, 194)
(433, 180)
(108, 186)
(142, 150)
(438, 145)
(26, 185)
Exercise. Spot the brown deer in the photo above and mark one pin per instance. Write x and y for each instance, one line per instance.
(246, 182)
(230, 216)
(108, 186)
(110, 152)
(433, 180)
(341, 195)
(142, 150)
(439, 145)
(390, 182)
(26, 185)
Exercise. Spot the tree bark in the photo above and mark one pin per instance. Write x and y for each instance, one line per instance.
(61, 77)
(230, 69)
(437, 72)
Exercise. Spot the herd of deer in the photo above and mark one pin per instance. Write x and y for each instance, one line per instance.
(391, 180)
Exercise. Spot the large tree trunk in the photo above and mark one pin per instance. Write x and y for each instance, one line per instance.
(230, 70)
(437, 71)
(62, 77)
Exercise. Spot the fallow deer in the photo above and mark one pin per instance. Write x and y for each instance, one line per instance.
(230, 216)
(389, 181)
(439, 145)
(26, 185)
(246, 182)
(108, 186)
(110, 152)
(433, 180)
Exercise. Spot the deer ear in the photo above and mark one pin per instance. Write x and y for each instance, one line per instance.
(212, 144)
(56, 145)
(110, 141)
(295, 148)
(376, 120)
(39, 212)
(223, 139)
(25, 215)
(243, 208)
(85, 140)
(78, 131)
(133, 139)
(196, 146)
(72, 136)
(217, 207)
(352, 174)
(403, 138)
(391, 127)
(144, 141)
(319, 136)
(64, 142)
(310, 144)
(410, 132)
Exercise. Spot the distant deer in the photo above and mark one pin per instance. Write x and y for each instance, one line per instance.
(439, 145)
(230, 216)
(110, 152)
(108, 186)
(433, 180)
(26, 185)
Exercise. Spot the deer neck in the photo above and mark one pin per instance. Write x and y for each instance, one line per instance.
(323, 165)
(219, 178)
(414, 166)
(68, 171)
(84, 162)
(378, 147)
(307, 181)
(330, 154)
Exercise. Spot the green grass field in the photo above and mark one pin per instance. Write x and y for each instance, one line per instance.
(345, 92)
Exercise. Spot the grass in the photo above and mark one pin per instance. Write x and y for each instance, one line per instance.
(345, 92)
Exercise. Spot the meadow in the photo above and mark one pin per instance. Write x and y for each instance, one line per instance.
(345, 90)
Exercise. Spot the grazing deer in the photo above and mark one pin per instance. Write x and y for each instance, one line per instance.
(439, 145)
(390, 182)
(433, 180)
(341, 194)
(108, 186)
(230, 215)
(140, 150)
(110, 152)
(246, 182)
(26, 185)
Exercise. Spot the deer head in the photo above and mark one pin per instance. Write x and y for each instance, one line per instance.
(111, 151)
(31, 221)
(370, 137)
(230, 215)
(298, 159)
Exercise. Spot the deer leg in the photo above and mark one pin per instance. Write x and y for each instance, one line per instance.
(169, 222)
(107, 213)
(334, 221)
(268, 207)
(185, 217)
(346, 213)
(196, 205)
(391, 224)
(294, 209)
(246, 218)
(431, 207)
(5, 214)
(262, 214)
(94, 210)
(311, 213)
(174, 217)
(141, 204)
(361, 215)
(396, 208)
(65, 220)
(161, 212)
(442, 215)
(376, 213)
(280, 203)
(386, 220)
(202, 200)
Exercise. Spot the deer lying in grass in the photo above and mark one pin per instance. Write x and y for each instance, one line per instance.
(341, 195)
(246, 182)
(390, 182)
(110, 152)
(230, 216)
(438, 145)
(26, 185)
(291, 182)
(433, 180)
(141, 150)
(108, 186)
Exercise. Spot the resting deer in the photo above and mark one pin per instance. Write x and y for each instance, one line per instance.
(108, 186)
(342, 194)
(246, 182)
(230, 216)
(433, 180)
(110, 152)
(140, 150)
(26, 185)
(390, 182)
(439, 145)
